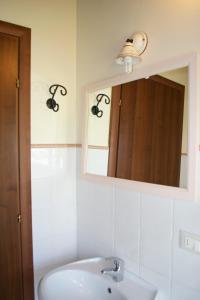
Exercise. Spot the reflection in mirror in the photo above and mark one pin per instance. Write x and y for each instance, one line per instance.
(143, 132)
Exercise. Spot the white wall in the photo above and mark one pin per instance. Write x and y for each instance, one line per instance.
(53, 25)
(98, 128)
(142, 229)
(53, 60)
(97, 161)
(53, 208)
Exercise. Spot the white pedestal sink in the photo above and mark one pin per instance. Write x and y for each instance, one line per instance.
(83, 280)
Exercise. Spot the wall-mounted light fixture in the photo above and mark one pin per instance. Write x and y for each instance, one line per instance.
(95, 108)
(132, 50)
(51, 102)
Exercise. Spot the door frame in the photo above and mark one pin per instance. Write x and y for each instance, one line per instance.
(24, 36)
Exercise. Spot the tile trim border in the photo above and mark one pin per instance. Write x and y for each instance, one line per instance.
(67, 146)
(56, 145)
(76, 146)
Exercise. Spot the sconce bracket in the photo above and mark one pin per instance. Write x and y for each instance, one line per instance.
(95, 108)
(51, 102)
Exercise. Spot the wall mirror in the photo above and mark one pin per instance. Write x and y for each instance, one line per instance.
(141, 129)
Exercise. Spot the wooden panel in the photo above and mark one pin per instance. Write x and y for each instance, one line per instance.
(140, 163)
(126, 130)
(149, 131)
(114, 130)
(25, 164)
(158, 132)
(10, 255)
(23, 34)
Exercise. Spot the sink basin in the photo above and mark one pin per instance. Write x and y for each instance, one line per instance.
(83, 280)
(78, 284)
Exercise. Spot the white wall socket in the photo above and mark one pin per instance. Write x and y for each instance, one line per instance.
(189, 241)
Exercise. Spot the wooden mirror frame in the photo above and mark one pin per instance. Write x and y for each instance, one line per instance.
(192, 61)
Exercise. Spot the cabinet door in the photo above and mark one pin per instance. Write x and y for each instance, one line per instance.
(114, 130)
(10, 246)
(150, 131)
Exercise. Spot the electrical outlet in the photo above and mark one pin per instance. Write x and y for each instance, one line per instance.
(190, 242)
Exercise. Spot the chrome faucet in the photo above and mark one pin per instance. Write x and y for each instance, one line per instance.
(116, 271)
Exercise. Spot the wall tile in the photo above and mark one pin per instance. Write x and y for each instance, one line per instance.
(161, 283)
(186, 265)
(41, 193)
(127, 228)
(54, 221)
(52, 251)
(95, 219)
(97, 161)
(53, 208)
(180, 292)
(156, 233)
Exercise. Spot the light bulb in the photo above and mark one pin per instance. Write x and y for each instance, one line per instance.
(128, 64)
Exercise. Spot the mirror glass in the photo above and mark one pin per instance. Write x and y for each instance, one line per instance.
(139, 130)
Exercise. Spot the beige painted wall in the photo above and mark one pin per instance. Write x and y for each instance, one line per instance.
(181, 76)
(113, 21)
(98, 128)
(53, 25)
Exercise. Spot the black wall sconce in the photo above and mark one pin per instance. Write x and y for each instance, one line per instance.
(51, 102)
(95, 108)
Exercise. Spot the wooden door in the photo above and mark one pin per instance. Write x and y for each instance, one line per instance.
(114, 130)
(10, 247)
(16, 273)
(150, 131)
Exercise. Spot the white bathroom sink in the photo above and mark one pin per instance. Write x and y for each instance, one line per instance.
(78, 284)
(83, 280)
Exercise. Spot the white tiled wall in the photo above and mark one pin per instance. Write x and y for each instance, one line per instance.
(97, 212)
(140, 228)
(53, 208)
(97, 161)
(127, 235)
(143, 230)
(156, 233)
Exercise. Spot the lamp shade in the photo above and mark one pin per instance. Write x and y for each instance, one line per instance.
(131, 51)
